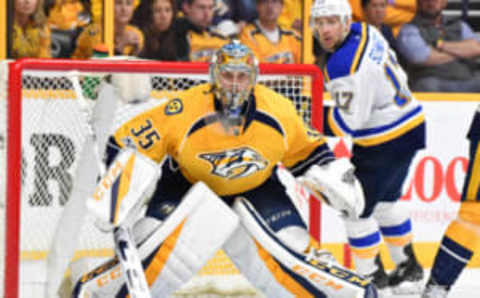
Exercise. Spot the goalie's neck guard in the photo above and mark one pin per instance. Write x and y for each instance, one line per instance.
(235, 121)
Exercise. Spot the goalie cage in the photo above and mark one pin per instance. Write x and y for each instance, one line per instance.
(43, 136)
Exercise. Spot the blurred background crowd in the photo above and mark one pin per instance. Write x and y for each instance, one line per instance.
(437, 41)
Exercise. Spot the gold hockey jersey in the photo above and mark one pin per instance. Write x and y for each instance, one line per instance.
(31, 41)
(186, 129)
(204, 44)
(91, 36)
(286, 50)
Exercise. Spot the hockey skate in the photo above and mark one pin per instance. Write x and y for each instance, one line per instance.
(380, 279)
(434, 290)
(408, 276)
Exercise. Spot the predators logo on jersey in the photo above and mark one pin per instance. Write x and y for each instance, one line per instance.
(173, 107)
(235, 163)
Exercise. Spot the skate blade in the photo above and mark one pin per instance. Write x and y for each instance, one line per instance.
(408, 288)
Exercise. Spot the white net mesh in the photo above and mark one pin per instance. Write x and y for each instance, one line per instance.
(53, 132)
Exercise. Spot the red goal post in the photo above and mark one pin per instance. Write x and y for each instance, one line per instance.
(34, 82)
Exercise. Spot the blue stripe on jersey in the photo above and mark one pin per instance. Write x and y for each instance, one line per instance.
(320, 156)
(367, 241)
(268, 120)
(456, 248)
(391, 75)
(384, 128)
(361, 133)
(398, 230)
(202, 122)
(348, 58)
(343, 126)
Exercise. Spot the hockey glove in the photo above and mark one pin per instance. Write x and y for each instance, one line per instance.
(336, 185)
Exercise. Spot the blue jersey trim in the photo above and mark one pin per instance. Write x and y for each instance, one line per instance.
(376, 130)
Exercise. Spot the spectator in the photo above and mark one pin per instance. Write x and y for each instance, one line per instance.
(440, 51)
(128, 40)
(226, 19)
(31, 35)
(270, 42)
(67, 19)
(291, 16)
(196, 40)
(67, 14)
(374, 11)
(155, 19)
(398, 12)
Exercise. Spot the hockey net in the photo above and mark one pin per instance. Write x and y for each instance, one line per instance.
(44, 135)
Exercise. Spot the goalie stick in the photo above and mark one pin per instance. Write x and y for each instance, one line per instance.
(124, 245)
(75, 210)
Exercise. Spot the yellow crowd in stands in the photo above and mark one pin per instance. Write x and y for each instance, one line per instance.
(35, 20)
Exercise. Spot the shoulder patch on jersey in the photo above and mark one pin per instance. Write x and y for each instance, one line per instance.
(173, 107)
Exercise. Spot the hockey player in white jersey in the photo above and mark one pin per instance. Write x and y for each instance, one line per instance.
(374, 106)
(222, 186)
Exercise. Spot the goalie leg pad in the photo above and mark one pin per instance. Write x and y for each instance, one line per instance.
(278, 271)
(174, 252)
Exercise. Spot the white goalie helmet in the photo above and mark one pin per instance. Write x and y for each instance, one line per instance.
(325, 8)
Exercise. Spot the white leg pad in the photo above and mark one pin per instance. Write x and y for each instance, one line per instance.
(278, 271)
(295, 237)
(187, 244)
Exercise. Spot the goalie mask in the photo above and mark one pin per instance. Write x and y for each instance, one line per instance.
(320, 19)
(233, 74)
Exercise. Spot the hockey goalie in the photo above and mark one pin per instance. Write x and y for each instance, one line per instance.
(212, 157)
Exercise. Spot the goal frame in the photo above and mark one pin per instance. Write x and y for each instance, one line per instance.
(14, 131)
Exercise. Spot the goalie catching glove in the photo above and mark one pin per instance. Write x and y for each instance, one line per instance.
(336, 185)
